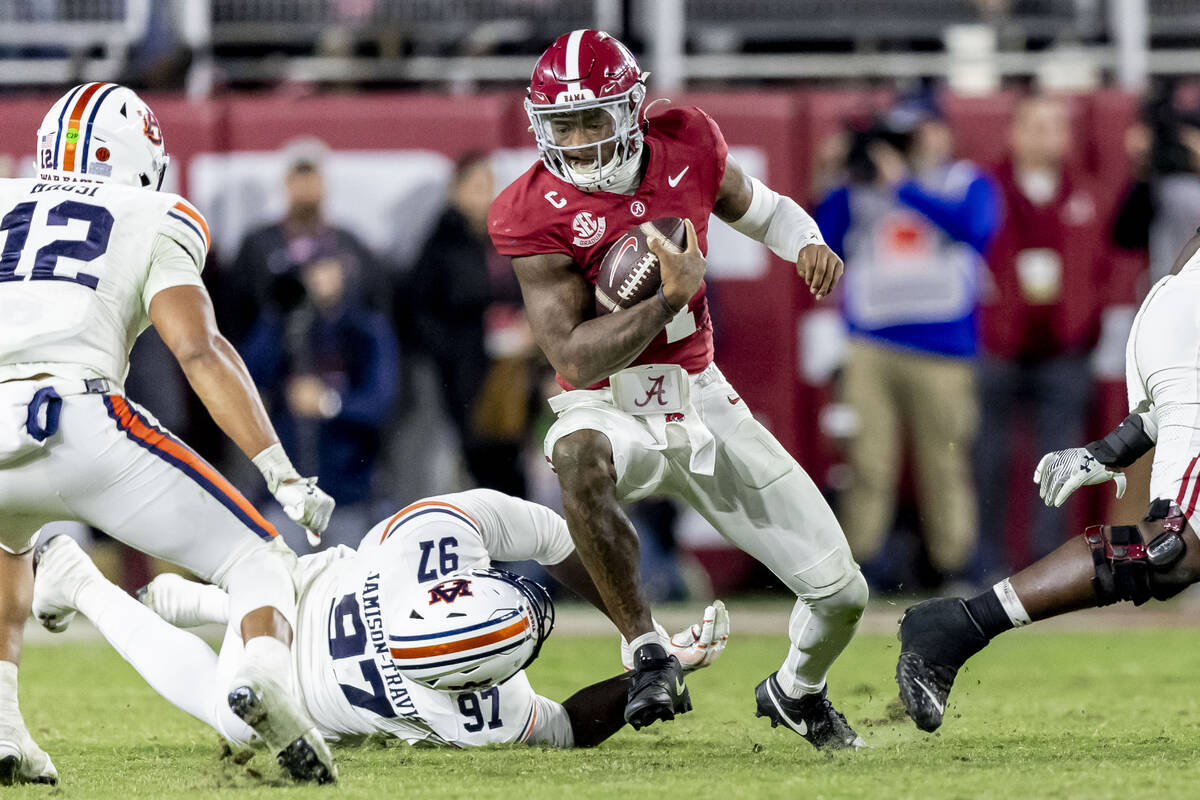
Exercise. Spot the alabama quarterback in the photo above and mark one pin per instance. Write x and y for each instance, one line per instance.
(605, 167)
(413, 635)
(92, 254)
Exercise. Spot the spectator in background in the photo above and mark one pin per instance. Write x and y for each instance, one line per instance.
(328, 369)
(266, 270)
(911, 225)
(1041, 320)
(465, 304)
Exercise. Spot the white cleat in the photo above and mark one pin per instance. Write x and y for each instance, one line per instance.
(60, 568)
(280, 721)
(183, 603)
(21, 760)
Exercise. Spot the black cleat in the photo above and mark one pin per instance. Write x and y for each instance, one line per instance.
(936, 638)
(10, 767)
(657, 692)
(306, 757)
(812, 716)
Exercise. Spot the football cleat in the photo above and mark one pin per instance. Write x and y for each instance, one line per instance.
(812, 716)
(60, 567)
(657, 692)
(936, 638)
(21, 760)
(285, 728)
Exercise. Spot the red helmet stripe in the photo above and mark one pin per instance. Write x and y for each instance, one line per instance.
(68, 161)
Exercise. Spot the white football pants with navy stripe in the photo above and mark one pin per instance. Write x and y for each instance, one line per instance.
(110, 465)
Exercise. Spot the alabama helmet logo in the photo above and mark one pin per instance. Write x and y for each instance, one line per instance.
(588, 229)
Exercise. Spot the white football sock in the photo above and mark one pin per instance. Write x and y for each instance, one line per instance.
(1012, 604)
(9, 708)
(177, 664)
(820, 629)
(185, 603)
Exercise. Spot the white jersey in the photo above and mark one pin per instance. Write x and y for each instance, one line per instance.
(343, 663)
(79, 266)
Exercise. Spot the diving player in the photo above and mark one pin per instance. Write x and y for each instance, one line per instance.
(412, 635)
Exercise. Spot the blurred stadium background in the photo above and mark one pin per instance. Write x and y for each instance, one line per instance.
(381, 99)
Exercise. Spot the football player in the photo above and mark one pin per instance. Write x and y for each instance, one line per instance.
(1156, 558)
(412, 635)
(605, 167)
(92, 254)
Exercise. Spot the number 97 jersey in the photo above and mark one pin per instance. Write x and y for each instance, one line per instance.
(79, 265)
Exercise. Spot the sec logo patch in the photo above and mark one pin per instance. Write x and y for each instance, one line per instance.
(588, 229)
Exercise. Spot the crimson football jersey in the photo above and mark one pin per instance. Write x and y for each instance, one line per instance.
(539, 213)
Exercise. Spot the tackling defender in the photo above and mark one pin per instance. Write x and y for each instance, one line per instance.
(92, 254)
(605, 168)
(412, 635)
(1157, 558)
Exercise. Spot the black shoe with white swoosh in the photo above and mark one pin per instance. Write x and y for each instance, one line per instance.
(936, 638)
(812, 716)
(657, 692)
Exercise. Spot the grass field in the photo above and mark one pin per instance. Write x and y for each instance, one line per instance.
(1095, 715)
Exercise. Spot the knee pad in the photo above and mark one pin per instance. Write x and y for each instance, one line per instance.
(846, 604)
(1127, 568)
(263, 574)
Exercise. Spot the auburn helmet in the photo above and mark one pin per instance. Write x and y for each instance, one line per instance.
(581, 71)
(473, 629)
(101, 132)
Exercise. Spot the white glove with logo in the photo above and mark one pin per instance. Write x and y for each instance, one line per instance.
(698, 645)
(302, 500)
(1060, 473)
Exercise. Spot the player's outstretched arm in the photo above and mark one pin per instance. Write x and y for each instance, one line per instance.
(752, 208)
(598, 711)
(184, 318)
(558, 302)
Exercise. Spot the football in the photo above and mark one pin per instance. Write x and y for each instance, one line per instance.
(629, 271)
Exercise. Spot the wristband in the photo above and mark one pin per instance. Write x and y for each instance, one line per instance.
(275, 466)
(662, 298)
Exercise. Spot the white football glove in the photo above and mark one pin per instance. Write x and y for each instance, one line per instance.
(698, 645)
(1060, 473)
(302, 500)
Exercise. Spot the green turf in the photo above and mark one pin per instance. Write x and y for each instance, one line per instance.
(1038, 715)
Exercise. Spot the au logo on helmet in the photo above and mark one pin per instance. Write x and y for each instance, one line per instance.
(449, 591)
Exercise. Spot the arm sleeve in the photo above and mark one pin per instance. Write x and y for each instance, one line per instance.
(551, 724)
(971, 219)
(517, 530)
(833, 218)
(171, 264)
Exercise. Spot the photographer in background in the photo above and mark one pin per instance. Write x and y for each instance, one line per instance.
(912, 225)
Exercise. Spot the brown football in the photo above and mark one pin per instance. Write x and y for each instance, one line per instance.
(629, 272)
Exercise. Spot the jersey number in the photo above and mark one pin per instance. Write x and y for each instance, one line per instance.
(347, 639)
(94, 245)
(471, 705)
(447, 559)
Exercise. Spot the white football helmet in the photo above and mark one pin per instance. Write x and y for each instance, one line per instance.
(473, 629)
(101, 132)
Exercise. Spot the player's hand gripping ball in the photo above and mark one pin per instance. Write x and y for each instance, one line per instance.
(630, 271)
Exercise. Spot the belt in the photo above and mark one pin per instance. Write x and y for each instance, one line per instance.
(96, 386)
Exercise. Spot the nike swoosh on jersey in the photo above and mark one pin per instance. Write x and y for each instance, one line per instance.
(673, 181)
(733, 401)
(932, 697)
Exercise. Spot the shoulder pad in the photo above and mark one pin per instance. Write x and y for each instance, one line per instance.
(188, 227)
